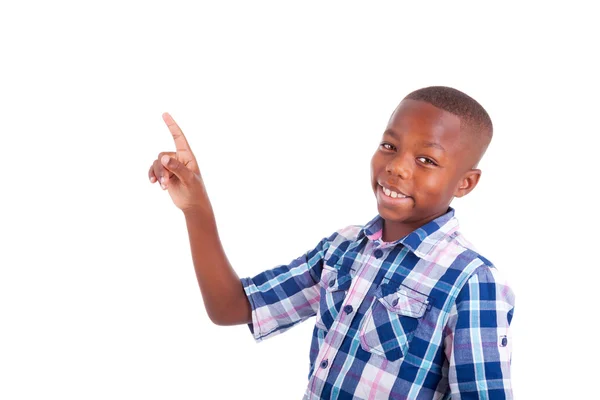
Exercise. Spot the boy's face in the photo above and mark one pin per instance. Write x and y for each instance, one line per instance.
(426, 159)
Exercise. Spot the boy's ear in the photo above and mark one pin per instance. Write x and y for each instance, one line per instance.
(468, 182)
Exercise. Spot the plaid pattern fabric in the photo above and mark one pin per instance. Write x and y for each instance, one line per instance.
(425, 317)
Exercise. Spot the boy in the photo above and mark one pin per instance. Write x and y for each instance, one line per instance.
(405, 308)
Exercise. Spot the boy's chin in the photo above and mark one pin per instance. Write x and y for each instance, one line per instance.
(413, 217)
(395, 216)
(395, 209)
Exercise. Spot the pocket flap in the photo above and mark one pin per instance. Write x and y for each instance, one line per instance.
(405, 302)
(332, 280)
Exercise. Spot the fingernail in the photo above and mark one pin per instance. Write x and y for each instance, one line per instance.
(152, 179)
(162, 185)
(165, 159)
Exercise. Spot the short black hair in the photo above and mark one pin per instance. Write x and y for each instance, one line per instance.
(473, 116)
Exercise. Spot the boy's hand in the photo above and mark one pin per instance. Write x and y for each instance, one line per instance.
(178, 172)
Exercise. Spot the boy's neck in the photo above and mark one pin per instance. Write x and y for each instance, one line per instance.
(392, 232)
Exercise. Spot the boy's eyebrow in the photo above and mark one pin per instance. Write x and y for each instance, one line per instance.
(425, 144)
(435, 145)
(391, 133)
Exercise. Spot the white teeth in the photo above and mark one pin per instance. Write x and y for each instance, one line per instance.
(391, 193)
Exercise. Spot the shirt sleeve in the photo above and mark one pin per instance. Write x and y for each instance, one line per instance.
(478, 344)
(286, 295)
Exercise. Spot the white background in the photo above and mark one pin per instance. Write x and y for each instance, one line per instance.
(284, 104)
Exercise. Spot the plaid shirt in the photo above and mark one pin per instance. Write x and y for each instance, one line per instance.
(425, 317)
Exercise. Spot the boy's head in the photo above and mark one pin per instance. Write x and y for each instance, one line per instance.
(428, 155)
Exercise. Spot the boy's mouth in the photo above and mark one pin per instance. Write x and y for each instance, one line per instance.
(393, 193)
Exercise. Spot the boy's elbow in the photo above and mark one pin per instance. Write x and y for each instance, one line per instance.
(217, 319)
(230, 313)
(222, 319)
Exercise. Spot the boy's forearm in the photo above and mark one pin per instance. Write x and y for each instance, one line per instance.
(222, 292)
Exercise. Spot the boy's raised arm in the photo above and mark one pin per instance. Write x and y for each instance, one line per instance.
(178, 172)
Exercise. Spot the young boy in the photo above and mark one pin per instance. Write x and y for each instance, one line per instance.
(405, 307)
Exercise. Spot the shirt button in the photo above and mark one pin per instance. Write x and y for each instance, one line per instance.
(395, 302)
(324, 364)
(348, 309)
(378, 253)
(331, 283)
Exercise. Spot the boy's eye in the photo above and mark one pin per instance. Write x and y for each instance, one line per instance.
(426, 160)
(387, 146)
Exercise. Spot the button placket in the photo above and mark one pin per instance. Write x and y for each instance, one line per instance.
(339, 329)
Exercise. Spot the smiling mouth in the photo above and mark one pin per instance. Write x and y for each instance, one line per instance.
(392, 194)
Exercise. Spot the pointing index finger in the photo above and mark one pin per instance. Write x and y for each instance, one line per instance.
(181, 145)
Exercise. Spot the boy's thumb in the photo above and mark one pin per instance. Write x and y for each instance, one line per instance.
(176, 167)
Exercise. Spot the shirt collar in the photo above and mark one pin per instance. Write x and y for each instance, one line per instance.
(422, 241)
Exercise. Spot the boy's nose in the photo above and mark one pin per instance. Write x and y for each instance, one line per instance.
(399, 166)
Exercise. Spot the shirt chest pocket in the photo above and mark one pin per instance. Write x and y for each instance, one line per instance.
(389, 325)
(334, 284)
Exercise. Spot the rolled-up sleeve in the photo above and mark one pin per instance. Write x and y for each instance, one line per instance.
(286, 295)
(478, 344)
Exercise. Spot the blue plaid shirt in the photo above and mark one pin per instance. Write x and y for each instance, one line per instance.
(425, 317)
